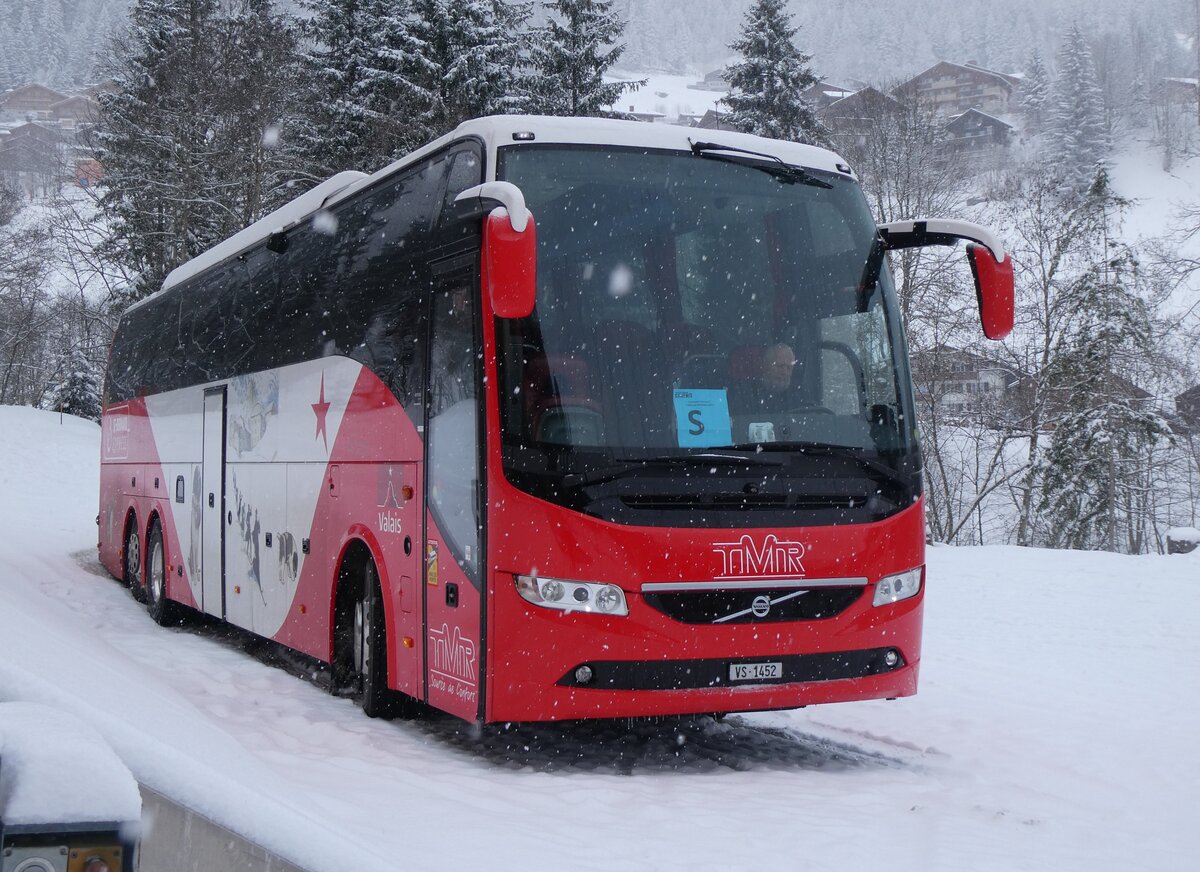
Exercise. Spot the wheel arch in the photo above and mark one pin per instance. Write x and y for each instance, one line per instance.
(359, 546)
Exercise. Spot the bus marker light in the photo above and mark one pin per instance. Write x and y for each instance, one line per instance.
(303, 609)
(408, 642)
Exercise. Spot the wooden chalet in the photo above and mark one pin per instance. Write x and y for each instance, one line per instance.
(952, 89)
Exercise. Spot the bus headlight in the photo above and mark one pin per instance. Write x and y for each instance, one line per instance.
(572, 596)
(898, 587)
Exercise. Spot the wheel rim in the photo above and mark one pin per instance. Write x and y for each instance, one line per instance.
(362, 626)
(133, 558)
(158, 575)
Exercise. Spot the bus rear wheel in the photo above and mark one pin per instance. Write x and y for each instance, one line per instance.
(160, 608)
(133, 561)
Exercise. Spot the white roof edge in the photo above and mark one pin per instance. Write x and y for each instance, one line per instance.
(495, 131)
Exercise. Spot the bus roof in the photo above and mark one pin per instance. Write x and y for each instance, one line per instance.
(497, 131)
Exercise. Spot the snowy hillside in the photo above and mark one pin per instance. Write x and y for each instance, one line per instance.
(1055, 727)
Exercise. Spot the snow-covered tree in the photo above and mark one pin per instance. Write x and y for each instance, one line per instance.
(570, 56)
(178, 137)
(1035, 92)
(76, 388)
(355, 90)
(1076, 132)
(766, 83)
(463, 63)
(1098, 460)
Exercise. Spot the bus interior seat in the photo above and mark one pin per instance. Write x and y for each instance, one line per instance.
(636, 374)
(560, 403)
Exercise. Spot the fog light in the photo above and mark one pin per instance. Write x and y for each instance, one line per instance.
(583, 675)
(891, 658)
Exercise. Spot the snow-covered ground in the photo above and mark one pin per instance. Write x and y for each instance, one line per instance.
(1055, 728)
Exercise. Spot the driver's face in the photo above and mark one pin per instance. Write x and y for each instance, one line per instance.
(777, 369)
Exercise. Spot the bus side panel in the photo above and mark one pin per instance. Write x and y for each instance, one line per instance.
(175, 419)
(374, 454)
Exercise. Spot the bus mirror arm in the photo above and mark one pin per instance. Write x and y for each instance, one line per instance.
(991, 266)
(482, 199)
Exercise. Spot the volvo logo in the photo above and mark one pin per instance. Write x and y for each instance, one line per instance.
(761, 606)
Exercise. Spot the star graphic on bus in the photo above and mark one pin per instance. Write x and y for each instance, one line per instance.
(321, 409)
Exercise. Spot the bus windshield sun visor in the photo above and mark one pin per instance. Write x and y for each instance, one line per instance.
(787, 173)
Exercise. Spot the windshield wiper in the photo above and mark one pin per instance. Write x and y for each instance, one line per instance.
(824, 449)
(630, 465)
(787, 173)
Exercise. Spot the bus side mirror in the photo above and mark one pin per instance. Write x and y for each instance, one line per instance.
(994, 287)
(993, 278)
(510, 259)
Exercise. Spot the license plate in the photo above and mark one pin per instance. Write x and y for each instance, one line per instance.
(754, 671)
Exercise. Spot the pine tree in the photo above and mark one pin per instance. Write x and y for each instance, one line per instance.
(1035, 92)
(355, 86)
(1104, 434)
(766, 84)
(177, 138)
(77, 389)
(570, 55)
(463, 63)
(1077, 134)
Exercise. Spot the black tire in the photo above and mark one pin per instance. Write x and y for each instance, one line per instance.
(368, 652)
(134, 564)
(161, 609)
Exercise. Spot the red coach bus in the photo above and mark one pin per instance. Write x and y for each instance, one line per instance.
(551, 419)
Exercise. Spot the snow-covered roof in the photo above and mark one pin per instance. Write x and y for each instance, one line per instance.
(497, 131)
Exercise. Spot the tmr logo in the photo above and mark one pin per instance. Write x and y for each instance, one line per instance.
(773, 558)
(453, 656)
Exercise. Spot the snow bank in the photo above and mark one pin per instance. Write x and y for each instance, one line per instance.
(55, 769)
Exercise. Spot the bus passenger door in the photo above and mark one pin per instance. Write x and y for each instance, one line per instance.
(453, 549)
(213, 494)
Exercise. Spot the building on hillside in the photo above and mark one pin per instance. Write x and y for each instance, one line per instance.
(713, 81)
(649, 117)
(29, 102)
(714, 120)
(952, 89)
(963, 384)
(852, 119)
(1187, 409)
(33, 159)
(975, 131)
(74, 111)
(822, 94)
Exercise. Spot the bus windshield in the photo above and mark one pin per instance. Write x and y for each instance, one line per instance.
(699, 310)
